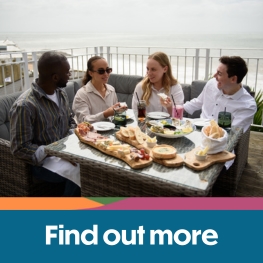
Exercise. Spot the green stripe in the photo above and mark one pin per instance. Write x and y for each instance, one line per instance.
(106, 200)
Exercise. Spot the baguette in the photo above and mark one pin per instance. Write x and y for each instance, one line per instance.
(138, 135)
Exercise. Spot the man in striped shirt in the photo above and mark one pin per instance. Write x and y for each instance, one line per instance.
(41, 116)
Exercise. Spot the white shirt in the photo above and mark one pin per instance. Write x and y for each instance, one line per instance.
(212, 100)
(154, 100)
(54, 97)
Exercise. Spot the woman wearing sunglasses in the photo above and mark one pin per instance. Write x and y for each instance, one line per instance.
(159, 79)
(96, 100)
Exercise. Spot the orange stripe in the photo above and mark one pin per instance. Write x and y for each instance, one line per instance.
(46, 203)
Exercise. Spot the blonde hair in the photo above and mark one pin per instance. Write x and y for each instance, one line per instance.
(168, 79)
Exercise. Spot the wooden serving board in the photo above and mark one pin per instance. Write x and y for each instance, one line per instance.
(174, 162)
(221, 157)
(133, 164)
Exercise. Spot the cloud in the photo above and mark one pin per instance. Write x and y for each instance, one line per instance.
(146, 17)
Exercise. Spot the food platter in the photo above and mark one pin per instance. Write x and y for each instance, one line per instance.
(174, 160)
(158, 115)
(170, 135)
(103, 126)
(124, 152)
(180, 131)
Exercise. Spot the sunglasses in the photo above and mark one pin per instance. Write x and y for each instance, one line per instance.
(101, 71)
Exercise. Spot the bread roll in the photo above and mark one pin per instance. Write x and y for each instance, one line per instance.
(124, 132)
(221, 132)
(215, 135)
(131, 131)
(207, 130)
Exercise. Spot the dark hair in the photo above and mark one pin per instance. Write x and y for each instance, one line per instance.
(236, 66)
(87, 76)
(49, 62)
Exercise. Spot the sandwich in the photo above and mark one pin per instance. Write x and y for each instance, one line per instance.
(123, 104)
(162, 95)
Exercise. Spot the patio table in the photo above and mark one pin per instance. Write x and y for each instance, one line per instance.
(104, 175)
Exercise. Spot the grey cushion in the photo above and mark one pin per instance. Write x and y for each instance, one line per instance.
(124, 86)
(248, 89)
(187, 91)
(6, 103)
(70, 92)
(196, 88)
(71, 89)
(77, 84)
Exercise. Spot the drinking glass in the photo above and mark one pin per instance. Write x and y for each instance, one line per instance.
(224, 119)
(178, 111)
(119, 118)
(141, 109)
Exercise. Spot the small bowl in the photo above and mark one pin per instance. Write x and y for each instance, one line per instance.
(200, 157)
(170, 127)
(151, 144)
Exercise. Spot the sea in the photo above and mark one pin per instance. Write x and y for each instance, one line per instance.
(244, 45)
(40, 41)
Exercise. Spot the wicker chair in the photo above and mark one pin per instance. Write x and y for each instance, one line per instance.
(15, 176)
(227, 182)
(17, 180)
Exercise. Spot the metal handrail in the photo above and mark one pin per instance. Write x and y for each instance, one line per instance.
(188, 64)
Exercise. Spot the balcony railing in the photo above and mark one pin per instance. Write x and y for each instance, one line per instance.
(19, 69)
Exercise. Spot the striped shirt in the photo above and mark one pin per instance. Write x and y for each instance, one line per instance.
(36, 120)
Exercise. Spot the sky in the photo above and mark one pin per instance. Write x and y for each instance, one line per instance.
(132, 16)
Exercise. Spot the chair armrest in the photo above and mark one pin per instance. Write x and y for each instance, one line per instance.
(16, 178)
(15, 173)
(230, 179)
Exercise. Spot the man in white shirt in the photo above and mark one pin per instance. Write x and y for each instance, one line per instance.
(225, 92)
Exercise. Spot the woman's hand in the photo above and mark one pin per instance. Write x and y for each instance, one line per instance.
(166, 102)
(110, 111)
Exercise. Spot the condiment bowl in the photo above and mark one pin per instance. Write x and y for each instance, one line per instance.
(170, 127)
(200, 157)
(151, 144)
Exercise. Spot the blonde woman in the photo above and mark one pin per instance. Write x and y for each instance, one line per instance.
(159, 79)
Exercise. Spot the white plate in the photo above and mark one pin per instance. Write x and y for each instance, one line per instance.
(201, 122)
(103, 126)
(129, 114)
(158, 115)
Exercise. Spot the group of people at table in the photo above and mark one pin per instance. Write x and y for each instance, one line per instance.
(41, 115)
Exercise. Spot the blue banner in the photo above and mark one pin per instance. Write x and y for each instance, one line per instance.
(131, 236)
